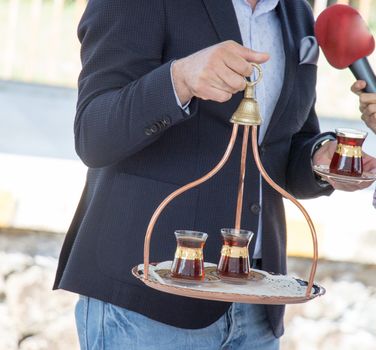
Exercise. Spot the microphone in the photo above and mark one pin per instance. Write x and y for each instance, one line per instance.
(346, 42)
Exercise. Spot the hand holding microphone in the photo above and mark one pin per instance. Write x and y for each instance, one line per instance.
(346, 42)
(367, 104)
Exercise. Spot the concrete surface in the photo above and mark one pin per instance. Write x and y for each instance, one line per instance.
(41, 178)
(37, 120)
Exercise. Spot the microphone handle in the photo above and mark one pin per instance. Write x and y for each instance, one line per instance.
(363, 71)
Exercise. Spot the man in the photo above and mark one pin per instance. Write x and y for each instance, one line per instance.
(159, 82)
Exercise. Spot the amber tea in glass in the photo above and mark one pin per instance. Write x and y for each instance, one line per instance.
(347, 159)
(234, 261)
(189, 258)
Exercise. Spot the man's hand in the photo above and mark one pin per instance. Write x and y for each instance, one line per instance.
(214, 73)
(323, 156)
(367, 104)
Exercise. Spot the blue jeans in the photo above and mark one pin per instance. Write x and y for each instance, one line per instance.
(103, 326)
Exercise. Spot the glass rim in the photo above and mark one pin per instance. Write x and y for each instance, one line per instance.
(237, 232)
(352, 133)
(191, 234)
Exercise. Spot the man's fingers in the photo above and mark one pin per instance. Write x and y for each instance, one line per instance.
(369, 110)
(369, 163)
(248, 54)
(358, 86)
(347, 187)
(370, 121)
(238, 64)
(362, 107)
(215, 94)
(325, 153)
(235, 81)
(367, 98)
(220, 84)
(367, 106)
(255, 56)
(218, 72)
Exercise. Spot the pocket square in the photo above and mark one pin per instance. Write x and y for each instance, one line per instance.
(309, 50)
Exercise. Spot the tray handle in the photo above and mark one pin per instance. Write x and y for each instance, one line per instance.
(287, 195)
(181, 190)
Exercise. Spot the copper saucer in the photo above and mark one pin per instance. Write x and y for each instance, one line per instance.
(252, 276)
(323, 170)
(210, 276)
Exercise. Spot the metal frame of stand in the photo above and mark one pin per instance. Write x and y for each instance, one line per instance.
(247, 116)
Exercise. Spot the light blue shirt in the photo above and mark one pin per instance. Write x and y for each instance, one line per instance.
(261, 31)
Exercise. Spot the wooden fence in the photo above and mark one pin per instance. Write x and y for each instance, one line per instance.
(38, 38)
(363, 6)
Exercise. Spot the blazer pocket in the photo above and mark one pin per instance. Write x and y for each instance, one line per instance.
(132, 202)
(309, 51)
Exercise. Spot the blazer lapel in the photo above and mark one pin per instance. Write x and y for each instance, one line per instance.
(223, 18)
(291, 55)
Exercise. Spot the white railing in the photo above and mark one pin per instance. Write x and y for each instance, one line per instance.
(39, 43)
(364, 7)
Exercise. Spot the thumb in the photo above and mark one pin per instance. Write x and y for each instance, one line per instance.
(358, 86)
(257, 57)
(254, 56)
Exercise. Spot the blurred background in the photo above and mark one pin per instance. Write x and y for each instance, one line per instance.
(39, 65)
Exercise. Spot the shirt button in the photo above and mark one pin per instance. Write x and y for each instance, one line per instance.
(255, 208)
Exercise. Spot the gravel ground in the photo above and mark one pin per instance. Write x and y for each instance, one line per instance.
(32, 317)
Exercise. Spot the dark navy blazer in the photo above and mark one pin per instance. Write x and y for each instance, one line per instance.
(140, 146)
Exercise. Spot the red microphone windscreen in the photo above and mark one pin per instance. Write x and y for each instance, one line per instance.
(343, 35)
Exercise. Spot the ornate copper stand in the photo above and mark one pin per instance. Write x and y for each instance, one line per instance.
(247, 115)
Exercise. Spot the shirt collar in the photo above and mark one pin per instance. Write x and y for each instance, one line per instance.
(263, 6)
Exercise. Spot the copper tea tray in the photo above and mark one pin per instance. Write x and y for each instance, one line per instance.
(277, 290)
(261, 288)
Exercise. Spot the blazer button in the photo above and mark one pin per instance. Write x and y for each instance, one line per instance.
(154, 129)
(255, 209)
(166, 121)
(161, 125)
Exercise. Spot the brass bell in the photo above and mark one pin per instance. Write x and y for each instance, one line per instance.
(248, 112)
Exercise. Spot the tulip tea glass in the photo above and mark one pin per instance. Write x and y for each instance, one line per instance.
(234, 261)
(347, 159)
(189, 257)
